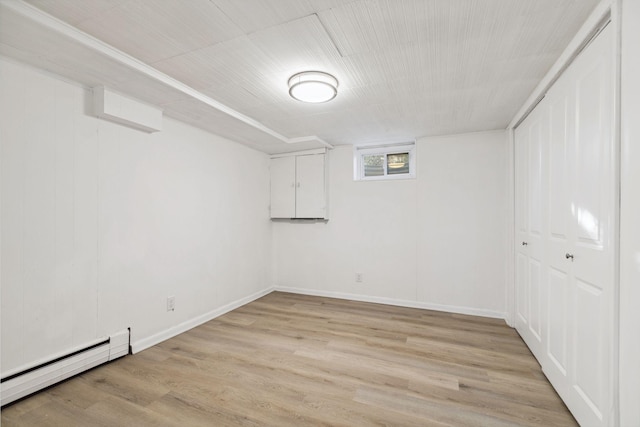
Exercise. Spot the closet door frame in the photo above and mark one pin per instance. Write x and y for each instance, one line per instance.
(607, 11)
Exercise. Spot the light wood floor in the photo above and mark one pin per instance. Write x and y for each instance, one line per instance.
(304, 361)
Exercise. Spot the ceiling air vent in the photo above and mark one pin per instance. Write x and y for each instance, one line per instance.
(120, 109)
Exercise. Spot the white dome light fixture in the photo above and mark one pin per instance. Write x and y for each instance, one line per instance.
(313, 86)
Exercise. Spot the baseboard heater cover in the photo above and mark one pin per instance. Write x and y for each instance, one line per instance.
(17, 385)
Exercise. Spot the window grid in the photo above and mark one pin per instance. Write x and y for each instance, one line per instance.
(384, 162)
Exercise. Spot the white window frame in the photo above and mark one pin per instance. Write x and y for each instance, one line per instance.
(365, 150)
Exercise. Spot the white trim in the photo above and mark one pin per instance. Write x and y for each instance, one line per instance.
(300, 153)
(575, 46)
(117, 55)
(144, 343)
(628, 13)
(616, 22)
(310, 138)
(510, 274)
(372, 146)
(397, 302)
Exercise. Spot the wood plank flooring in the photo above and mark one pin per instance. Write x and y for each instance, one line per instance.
(294, 360)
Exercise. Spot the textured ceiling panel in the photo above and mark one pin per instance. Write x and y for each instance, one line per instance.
(298, 45)
(234, 61)
(74, 11)
(33, 44)
(407, 68)
(151, 30)
(39, 46)
(369, 26)
(256, 15)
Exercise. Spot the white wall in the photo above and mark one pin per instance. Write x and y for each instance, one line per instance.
(438, 241)
(629, 217)
(100, 223)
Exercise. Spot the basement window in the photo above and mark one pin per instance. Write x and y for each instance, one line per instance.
(389, 161)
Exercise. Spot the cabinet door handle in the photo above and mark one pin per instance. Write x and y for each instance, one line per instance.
(524, 243)
(298, 185)
(568, 256)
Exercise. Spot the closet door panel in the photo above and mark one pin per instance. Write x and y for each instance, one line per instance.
(591, 151)
(535, 178)
(522, 300)
(521, 223)
(559, 176)
(536, 188)
(535, 299)
(561, 125)
(529, 231)
(560, 160)
(558, 302)
(594, 229)
(589, 359)
(569, 204)
(521, 184)
(521, 151)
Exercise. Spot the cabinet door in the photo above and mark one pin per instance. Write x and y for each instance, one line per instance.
(283, 187)
(310, 194)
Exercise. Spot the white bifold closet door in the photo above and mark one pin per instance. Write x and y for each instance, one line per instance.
(566, 219)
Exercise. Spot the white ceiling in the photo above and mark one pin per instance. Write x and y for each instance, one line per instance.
(407, 68)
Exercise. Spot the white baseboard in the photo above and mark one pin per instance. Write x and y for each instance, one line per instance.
(144, 343)
(118, 346)
(401, 303)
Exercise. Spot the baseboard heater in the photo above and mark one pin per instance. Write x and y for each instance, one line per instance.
(15, 385)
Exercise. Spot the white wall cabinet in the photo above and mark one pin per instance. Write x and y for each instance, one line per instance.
(283, 187)
(566, 218)
(299, 186)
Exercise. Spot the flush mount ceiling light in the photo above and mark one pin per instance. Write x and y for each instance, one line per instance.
(313, 86)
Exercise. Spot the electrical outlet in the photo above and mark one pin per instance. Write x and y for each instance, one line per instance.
(171, 303)
(359, 277)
